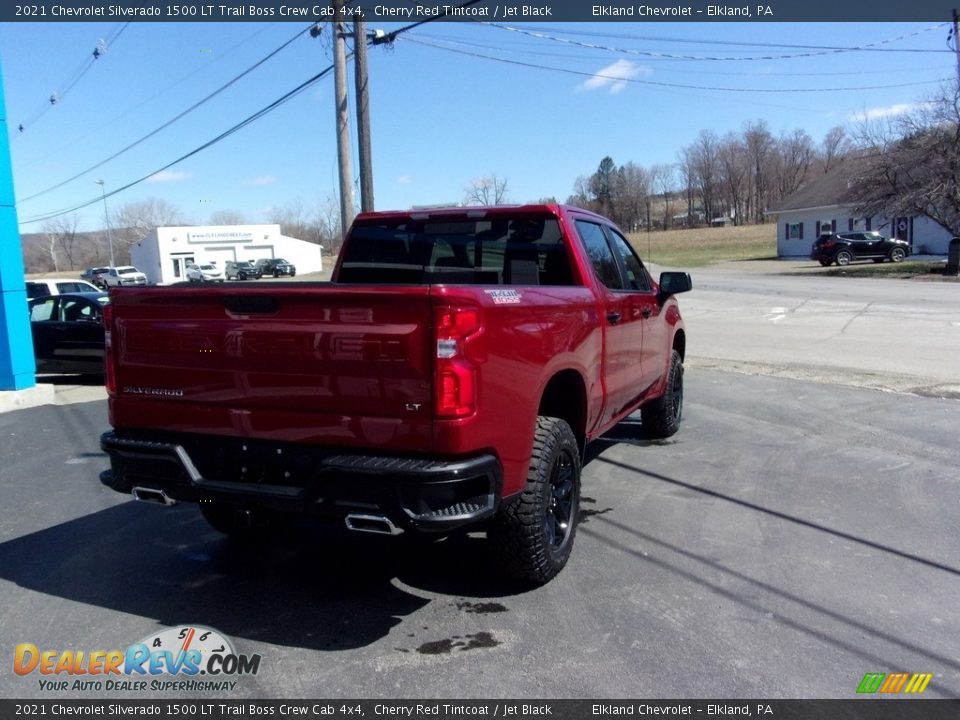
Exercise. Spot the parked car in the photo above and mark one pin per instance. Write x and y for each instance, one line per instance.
(68, 332)
(124, 275)
(844, 248)
(204, 272)
(42, 288)
(276, 267)
(241, 270)
(95, 275)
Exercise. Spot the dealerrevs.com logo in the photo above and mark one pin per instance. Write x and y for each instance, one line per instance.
(185, 658)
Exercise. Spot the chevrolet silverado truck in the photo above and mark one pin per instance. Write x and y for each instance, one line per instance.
(449, 376)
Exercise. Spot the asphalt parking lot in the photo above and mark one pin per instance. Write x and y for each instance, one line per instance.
(795, 535)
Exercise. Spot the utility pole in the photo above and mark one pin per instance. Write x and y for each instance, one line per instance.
(363, 113)
(342, 119)
(106, 217)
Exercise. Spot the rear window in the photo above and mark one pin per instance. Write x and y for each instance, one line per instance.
(35, 290)
(524, 250)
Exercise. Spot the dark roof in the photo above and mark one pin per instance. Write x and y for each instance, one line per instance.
(823, 189)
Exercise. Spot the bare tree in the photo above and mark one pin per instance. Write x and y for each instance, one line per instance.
(63, 243)
(663, 180)
(292, 218)
(735, 175)
(633, 190)
(910, 165)
(581, 193)
(794, 156)
(133, 221)
(760, 146)
(836, 144)
(486, 190)
(228, 217)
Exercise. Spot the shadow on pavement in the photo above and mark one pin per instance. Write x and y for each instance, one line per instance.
(320, 589)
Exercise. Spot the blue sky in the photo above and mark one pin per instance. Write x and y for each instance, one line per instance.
(441, 115)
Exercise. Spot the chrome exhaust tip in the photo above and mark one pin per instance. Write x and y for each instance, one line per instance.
(377, 524)
(152, 495)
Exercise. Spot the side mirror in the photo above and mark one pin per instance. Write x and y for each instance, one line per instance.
(672, 283)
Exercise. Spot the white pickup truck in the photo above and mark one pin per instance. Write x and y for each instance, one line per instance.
(123, 275)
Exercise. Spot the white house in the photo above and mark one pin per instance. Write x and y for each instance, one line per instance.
(824, 204)
(165, 253)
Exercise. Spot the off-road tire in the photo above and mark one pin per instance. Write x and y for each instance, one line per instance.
(533, 534)
(661, 417)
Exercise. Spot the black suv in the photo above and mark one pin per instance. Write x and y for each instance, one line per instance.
(844, 248)
(276, 267)
(241, 270)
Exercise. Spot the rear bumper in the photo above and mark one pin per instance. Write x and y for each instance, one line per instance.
(414, 493)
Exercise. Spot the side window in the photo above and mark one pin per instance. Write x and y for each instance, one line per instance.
(43, 311)
(601, 256)
(637, 277)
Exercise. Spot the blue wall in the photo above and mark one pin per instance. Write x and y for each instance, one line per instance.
(17, 368)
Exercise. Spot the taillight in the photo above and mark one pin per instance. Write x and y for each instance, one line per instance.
(109, 371)
(829, 244)
(456, 378)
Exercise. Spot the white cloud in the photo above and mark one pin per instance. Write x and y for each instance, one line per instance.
(262, 180)
(168, 176)
(405, 180)
(878, 113)
(614, 77)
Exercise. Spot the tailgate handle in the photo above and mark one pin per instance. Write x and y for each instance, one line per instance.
(250, 304)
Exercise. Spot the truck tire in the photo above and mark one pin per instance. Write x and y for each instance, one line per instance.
(661, 417)
(533, 533)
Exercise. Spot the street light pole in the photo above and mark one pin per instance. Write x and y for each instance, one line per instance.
(106, 217)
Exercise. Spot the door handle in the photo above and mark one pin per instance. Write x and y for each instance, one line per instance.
(646, 311)
(613, 317)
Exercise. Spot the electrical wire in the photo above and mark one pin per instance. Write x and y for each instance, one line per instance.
(57, 96)
(655, 83)
(737, 43)
(107, 123)
(222, 136)
(684, 71)
(171, 121)
(825, 50)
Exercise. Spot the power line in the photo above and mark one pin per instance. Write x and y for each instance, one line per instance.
(171, 121)
(100, 126)
(818, 51)
(685, 70)
(57, 95)
(620, 78)
(736, 43)
(222, 136)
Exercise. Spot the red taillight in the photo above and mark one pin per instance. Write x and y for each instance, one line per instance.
(829, 244)
(109, 371)
(456, 378)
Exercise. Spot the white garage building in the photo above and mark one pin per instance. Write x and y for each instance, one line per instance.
(165, 253)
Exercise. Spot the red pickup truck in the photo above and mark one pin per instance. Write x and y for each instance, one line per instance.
(450, 375)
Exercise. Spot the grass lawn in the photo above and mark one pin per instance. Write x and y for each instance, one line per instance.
(703, 246)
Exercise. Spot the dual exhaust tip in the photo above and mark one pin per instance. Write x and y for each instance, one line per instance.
(377, 524)
(152, 495)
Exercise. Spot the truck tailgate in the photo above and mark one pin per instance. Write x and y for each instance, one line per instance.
(313, 363)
